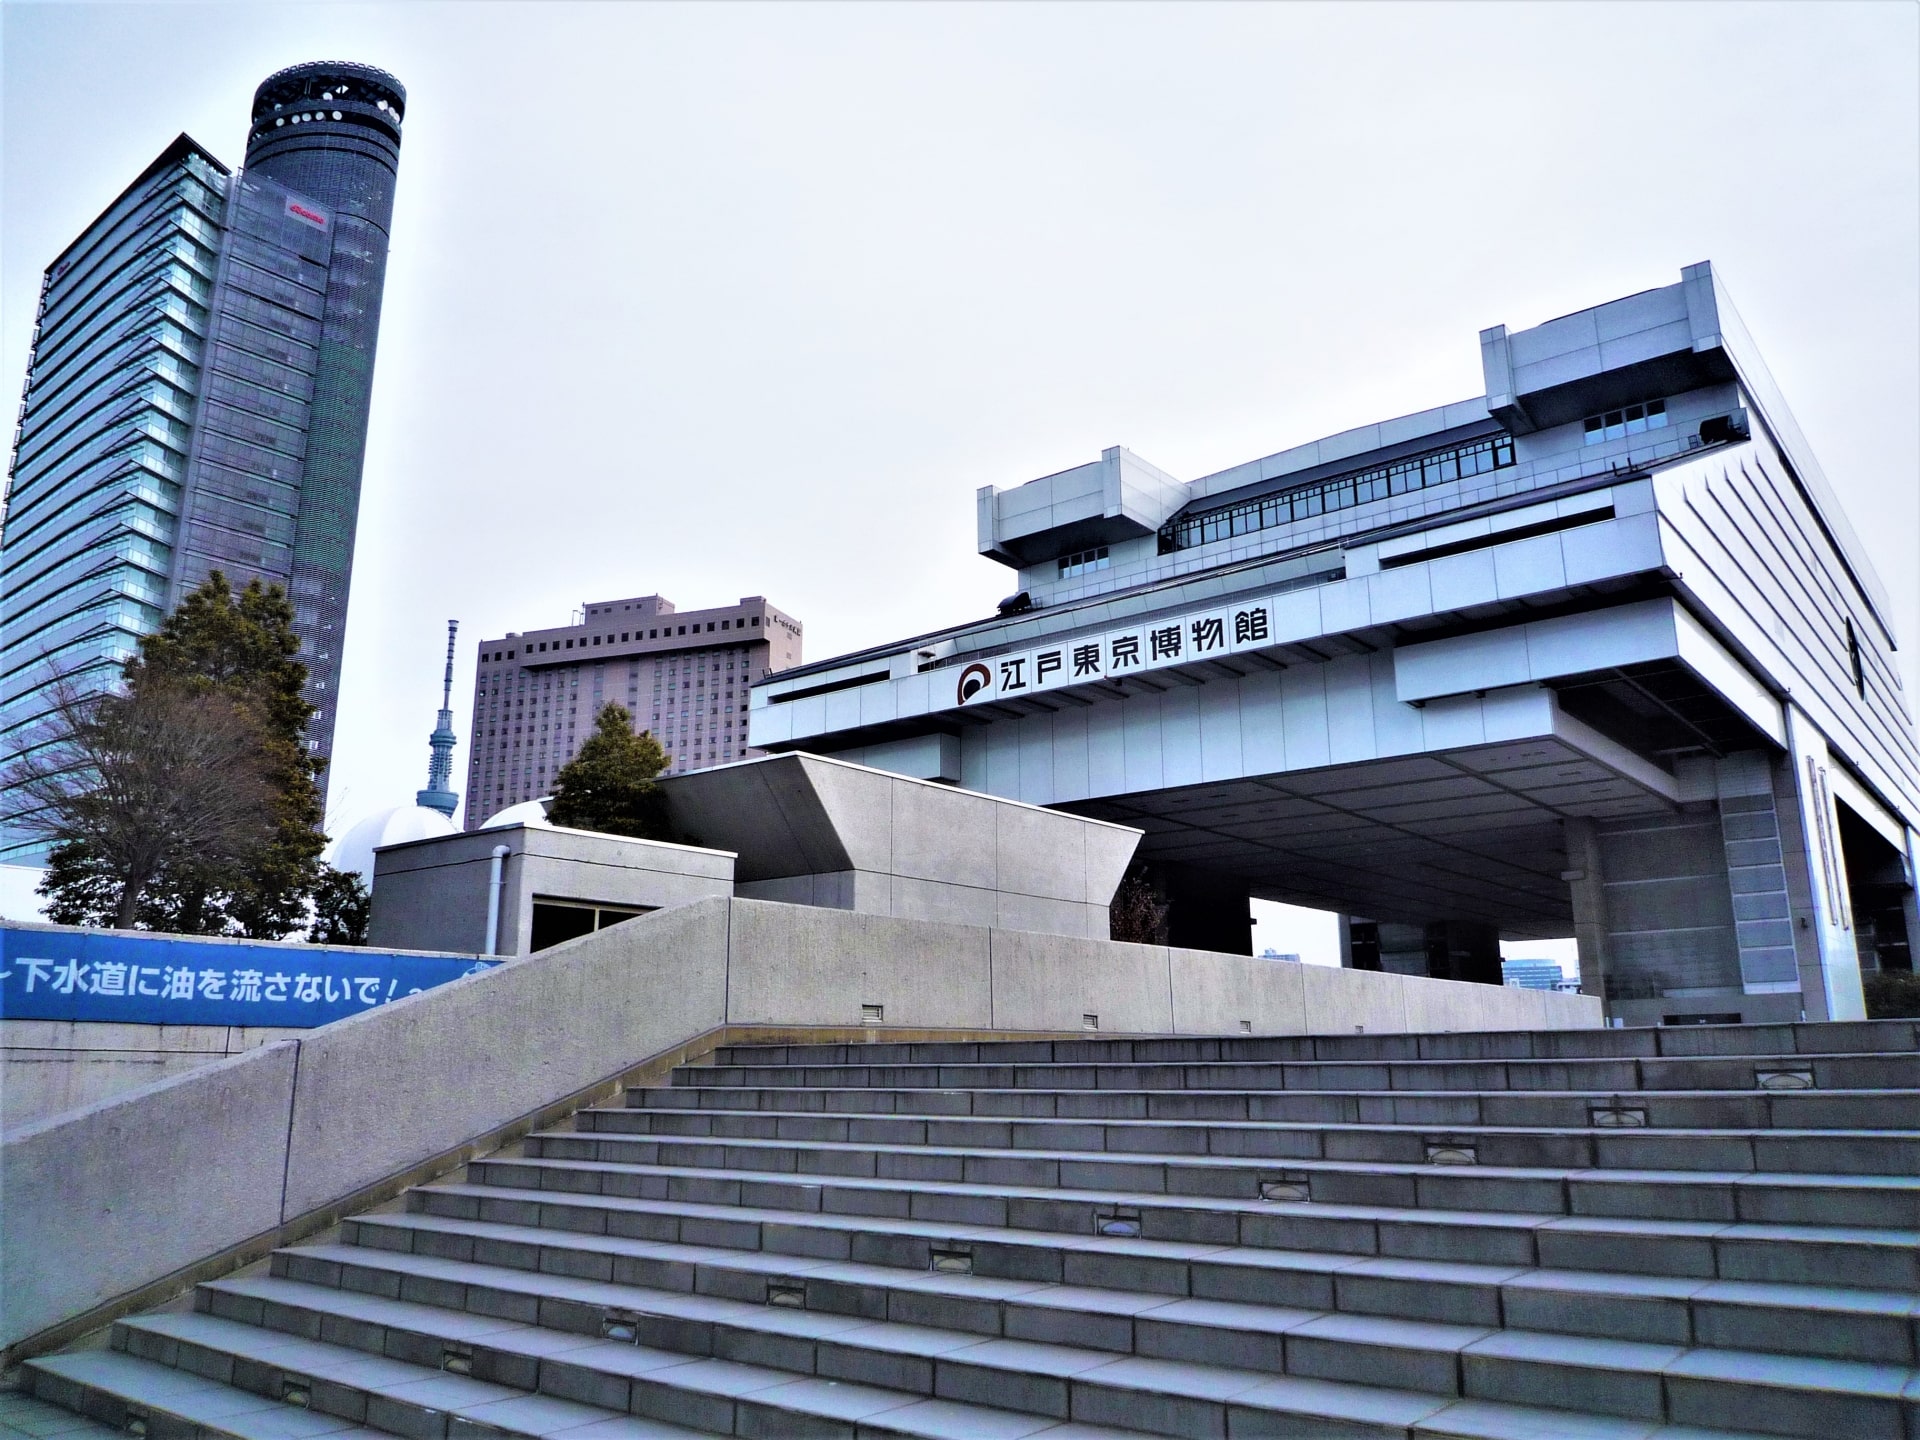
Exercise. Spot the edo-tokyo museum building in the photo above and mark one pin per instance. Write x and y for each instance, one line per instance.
(1595, 653)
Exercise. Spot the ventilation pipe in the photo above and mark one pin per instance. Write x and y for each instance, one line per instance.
(496, 882)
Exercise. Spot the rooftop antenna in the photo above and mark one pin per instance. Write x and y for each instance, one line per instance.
(439, 794)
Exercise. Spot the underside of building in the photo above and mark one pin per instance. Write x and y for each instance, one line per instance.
(1595, 654)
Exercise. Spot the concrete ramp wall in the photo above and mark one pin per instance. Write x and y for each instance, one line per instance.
(104, 1203)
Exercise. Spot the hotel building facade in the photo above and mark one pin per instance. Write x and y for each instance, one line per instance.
(684, 675)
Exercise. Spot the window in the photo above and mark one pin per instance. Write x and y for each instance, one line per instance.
(1084, 561)
(555, 921)
(1397, 477)
(1628, 420)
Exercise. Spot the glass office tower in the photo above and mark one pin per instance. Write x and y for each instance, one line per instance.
(197, 396)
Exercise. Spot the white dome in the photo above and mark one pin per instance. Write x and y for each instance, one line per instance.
(354, 850)
(527, 812)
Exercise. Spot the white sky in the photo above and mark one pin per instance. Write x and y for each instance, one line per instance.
(738, 299)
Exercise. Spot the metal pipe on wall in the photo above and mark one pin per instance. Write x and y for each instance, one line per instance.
(496, 882)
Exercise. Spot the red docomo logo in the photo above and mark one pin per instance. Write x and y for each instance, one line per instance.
(975, 678)
(310, 216)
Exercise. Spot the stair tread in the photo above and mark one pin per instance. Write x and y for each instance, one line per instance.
(1329, 1262)
(1390, 1127)
(1233, 1162)
(502, 1405)
(222, 1408)
(23, 1415)
(1508, 1219)
(1852, 1376)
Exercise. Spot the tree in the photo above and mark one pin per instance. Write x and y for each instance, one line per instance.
(127, 785)
(233, 659)
(609, 785)
(244, 646)
(341, 908)
(1139, 911)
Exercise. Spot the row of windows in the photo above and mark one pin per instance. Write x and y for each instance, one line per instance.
(75, 285)
(1629, 420)
(1084, 561)
(273, 317)
(277, 291)
(120, 418)
(624, 637)
(263, 254)
(66, 498)
(58, 383)
(1358, 487)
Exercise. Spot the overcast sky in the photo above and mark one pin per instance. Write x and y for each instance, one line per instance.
(719, 300)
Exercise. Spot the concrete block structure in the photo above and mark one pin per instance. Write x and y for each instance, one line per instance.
(518, 888)
(793, 828)
(820, 832)
(1593, 654)
(111, 1199)
(681, 674)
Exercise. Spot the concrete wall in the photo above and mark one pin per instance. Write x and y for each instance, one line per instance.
(434, 894)
(48, 1067)
(814, 831)
(116, 1197)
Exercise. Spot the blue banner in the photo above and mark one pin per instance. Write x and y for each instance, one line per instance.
(74, 974)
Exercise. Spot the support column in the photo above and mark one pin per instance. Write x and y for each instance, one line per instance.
(1587, 881)
(1830, 967)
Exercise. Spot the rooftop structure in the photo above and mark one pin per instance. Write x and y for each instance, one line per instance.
(197, 395)
(1594, 653)
(681, 675)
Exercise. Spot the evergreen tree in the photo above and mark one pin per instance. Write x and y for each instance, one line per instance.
(341, 908)
(609, 785)
(245, 647)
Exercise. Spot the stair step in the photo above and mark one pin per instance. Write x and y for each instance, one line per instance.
(1218, 1351)
(1706, 1233)
(1788, 1319)
(1679, 1109)
(1874, 1258)
(23, 1417)
(574, 1386)
(1589, 1146)
(1889, 1071)
(121, 1392)
(1857, 1037)
(1648, 1191)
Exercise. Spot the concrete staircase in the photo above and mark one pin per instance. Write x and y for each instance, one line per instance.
(1613, 1233)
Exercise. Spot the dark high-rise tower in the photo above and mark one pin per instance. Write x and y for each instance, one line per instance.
(330, 131)
(197, 398)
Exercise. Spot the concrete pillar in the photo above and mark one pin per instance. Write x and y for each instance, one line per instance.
(1830, 966)
(1756, 873)
(1359, 943)
(1587, 882)
(1910, 902)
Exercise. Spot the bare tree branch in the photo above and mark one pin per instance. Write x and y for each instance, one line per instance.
(164, 773)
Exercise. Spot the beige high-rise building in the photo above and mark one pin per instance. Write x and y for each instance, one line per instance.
(682, 675)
